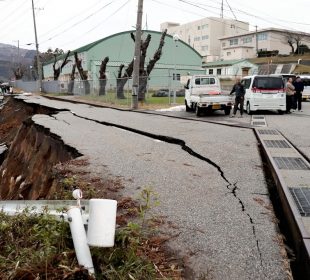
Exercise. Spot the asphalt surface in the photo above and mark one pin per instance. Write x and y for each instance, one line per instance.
(208, 176)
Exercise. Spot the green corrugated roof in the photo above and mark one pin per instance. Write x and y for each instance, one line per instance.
(89, 46)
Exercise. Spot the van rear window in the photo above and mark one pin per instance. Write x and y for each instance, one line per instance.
(268, 83)
(306, 82)
(204, 81)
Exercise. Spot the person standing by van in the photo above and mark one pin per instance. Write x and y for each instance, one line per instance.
(290, 90)
(239, 91)
(299, 88)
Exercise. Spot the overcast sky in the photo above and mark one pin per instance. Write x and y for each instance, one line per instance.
(70, 24)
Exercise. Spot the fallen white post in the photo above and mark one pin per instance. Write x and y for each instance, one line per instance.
(98, 214)
(79, 239)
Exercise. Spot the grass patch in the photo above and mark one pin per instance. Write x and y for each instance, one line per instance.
(110, 98)
(37, 246)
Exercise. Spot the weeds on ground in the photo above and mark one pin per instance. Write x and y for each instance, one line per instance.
(36, 246)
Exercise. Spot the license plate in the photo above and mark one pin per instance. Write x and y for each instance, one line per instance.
(216, 106)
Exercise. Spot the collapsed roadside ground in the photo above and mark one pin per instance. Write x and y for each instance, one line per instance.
(197, 194)
(140, 249)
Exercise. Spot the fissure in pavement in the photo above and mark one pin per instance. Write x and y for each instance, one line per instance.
(232, 187)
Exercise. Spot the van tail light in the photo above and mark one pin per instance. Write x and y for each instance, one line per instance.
(214, 92)
(271, 90)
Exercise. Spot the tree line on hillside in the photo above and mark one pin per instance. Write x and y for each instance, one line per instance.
(124, 73)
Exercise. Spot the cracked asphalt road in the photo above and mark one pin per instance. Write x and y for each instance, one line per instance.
(209, 179)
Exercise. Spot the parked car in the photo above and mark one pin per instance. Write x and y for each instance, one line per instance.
(161, 92)
(306, 92)
(264, 92)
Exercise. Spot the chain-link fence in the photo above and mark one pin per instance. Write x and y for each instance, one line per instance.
(158, 90)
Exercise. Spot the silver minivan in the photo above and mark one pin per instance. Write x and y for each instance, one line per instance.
(264, 92)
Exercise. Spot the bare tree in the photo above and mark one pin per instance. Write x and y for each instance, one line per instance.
(103, 76)
(71, 82)
(298, 38)
(290, 40)
(294, 39)
(122, 79)
(83, 74)
(144, 74)
(18, 73)
(58, 70)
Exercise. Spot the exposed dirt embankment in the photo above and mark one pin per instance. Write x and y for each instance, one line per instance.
(27, 171)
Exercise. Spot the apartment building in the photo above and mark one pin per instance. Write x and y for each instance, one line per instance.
(203, 35)
(247, 44)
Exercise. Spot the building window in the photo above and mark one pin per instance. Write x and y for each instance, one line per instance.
(247, 39)
(228, 53)
(210, 71)
(176, 77)
(223, 45)
(205, 37)
(198, 27)
(233, 41)
(218, 71)
(204, 48)
(204, 26)
(262, 36)
(232, 26)
(196, 39)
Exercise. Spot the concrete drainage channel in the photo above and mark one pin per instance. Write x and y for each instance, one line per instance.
(258, 121)
(291, 174)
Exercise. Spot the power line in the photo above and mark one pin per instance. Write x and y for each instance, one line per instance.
(218, 20)
(70, 19)
(77, 23)
(96, 26)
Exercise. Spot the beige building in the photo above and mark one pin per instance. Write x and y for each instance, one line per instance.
(247, 45)
(203, 35)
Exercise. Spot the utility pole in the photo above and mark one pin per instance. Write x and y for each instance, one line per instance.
(222, 9)
(136, 62)
(18, 60)
(37, 49)
(256, 41)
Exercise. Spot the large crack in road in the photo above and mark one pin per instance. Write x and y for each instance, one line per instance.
(232, 187)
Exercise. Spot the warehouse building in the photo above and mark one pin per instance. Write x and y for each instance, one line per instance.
(178, 59)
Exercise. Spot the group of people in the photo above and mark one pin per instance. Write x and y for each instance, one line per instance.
(294, 89)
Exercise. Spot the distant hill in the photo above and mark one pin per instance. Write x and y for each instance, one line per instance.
(9, 58)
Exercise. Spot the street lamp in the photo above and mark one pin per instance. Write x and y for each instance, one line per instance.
(176, 38)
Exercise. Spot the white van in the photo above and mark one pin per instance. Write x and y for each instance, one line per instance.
(264, 92)
(306, 92)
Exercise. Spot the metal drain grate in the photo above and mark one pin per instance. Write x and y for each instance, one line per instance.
(291, 163)
(276, 144)
(302, 199)
(268, 131)
(258, 117)
(259, 123)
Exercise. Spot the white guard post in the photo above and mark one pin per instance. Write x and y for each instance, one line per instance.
(98, 214)
(102, 222)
